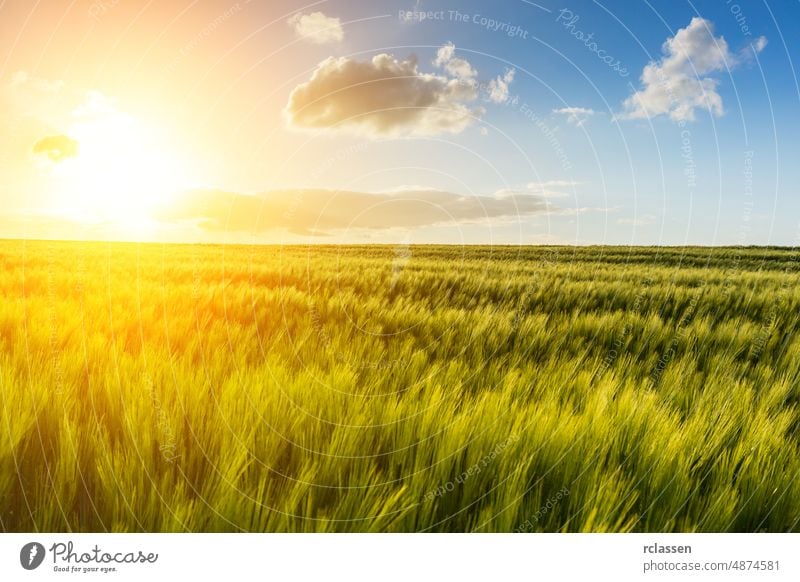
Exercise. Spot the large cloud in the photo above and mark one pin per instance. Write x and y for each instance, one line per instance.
(317, 27)
(56, 147)
(681, 81)
(385, 96)
(325, 211)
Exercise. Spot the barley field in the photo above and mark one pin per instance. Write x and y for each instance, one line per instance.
(168, 388)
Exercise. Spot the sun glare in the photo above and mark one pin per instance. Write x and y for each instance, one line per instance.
(122, 171)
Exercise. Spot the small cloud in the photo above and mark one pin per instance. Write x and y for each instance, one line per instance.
(547, 189)
(546, 238)
(748, 53)
(553, 184)
(56, 147)
(642, 220)
(498, 87)
(381, 97)
(455, 66)
(316, 27)
(681, 82)
(576, 116)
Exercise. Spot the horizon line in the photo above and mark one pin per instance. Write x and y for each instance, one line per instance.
(388, 244)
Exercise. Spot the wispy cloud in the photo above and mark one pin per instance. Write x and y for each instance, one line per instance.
(576, 116)
(319, 212)
(553, 184)
(546, 189)
(22, 78)
(642, 220)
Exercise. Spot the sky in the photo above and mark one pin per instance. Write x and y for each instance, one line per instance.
(414, 121)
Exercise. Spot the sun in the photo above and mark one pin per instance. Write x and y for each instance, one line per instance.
(123, 170)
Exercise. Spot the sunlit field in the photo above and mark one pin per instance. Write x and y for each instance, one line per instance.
(165, 388)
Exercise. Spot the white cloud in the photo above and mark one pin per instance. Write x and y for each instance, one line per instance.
(382, 96)
(575, 115)
(455, 66)
(681, 82)
(317, 27)
(498, 87)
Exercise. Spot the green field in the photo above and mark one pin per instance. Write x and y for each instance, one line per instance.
(397, 388)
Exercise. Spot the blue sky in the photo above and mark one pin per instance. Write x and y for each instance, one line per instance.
(595, 123)
(636, 167)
